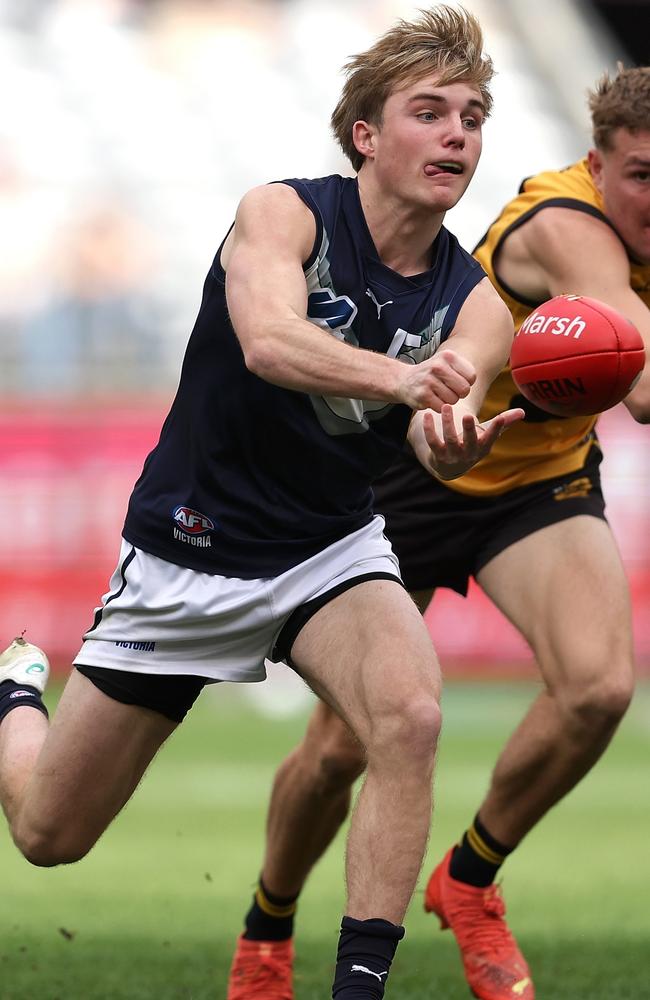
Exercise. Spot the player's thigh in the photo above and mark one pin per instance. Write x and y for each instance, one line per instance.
(368, 654)
(565, 589)
(96, 751)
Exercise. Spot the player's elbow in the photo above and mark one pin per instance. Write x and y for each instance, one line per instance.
(260, 358)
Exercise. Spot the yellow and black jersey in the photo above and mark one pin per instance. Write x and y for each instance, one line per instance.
(542, 446)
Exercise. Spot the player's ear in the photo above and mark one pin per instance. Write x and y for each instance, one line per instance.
(595, 162)
(363, 137)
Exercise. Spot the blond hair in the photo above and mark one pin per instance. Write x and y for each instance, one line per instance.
(621, 102)
(444, 40)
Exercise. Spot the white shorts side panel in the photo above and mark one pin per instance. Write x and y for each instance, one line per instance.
(166, 619)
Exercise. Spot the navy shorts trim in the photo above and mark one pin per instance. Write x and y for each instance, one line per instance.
(122, 568)
(172, 695)
(299, 618)
(442, 538)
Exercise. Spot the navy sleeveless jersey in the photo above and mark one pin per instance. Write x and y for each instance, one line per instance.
(248, 479)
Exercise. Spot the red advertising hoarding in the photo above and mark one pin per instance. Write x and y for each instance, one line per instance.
(66, 474)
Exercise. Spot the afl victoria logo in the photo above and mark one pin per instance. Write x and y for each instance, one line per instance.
(192, 522)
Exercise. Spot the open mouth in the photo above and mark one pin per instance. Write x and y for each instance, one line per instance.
(443, 167)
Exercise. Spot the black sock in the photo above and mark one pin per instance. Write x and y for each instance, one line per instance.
(270, 918)
(478, 857)
(13, 695)
(366, 950)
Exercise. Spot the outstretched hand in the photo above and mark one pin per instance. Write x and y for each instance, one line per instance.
(454, 451)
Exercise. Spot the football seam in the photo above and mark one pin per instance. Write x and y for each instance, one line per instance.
(569, 357)
(612, 327)
(613, 394)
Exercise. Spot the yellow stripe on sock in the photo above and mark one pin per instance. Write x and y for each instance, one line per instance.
(270, 908)
(479, 847)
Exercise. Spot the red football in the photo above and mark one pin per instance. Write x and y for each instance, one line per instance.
(575, 355)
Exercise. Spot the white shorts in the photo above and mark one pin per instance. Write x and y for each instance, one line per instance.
(159, 618)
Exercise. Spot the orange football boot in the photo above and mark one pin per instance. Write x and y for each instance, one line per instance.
(261, 970)
(495, 968)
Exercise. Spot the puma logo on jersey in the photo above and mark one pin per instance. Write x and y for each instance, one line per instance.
(378, 305)
(369, 972)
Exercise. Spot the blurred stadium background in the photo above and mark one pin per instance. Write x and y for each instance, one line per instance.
(131, 130)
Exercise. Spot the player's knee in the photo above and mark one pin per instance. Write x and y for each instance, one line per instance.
(602, 704)
(609, 700)
(47, 848)
(419, 729)
(409, 730)
(45, 854)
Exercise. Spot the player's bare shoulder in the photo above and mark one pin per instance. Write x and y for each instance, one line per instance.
(271, 215)
(563, 243)
(557, 229)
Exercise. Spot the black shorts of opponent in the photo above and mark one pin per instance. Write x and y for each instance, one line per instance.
(442, 537)
(173, 695)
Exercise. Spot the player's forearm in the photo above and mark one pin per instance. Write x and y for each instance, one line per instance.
(296, 355)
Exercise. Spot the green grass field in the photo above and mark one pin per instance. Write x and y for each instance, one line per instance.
(154, 910)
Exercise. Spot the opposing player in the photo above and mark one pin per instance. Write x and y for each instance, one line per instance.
(250, 532)
(534, 502)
